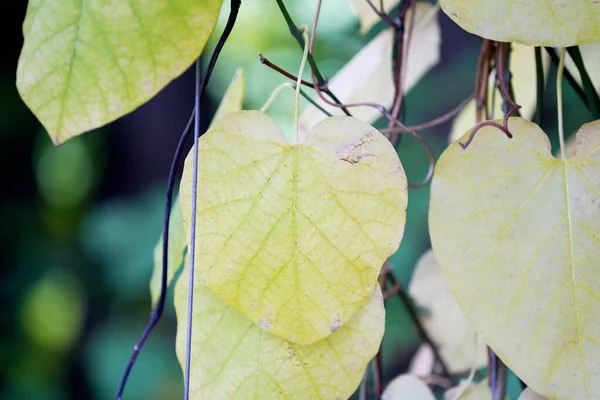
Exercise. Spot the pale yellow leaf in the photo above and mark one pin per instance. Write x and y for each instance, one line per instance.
(367, 16)
(529, 394)
(516, 232)
(523, 77)
(294, 236)
(443, 319)
(407, 387)
(479, 391)
(368, 76)
(233, 359)
(533, 22)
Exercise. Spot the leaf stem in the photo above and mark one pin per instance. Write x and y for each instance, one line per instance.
(274, 94)
(304, 30)
(578, 90)
(559, 75)
(540, 85)
(297, 34)
(408, 305)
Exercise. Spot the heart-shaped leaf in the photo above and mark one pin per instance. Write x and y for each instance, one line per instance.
(86, 63)
(234, 359)
(294, 236)
(533, 22)
(517, 234)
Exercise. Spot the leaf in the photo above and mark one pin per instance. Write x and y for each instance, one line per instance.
(367, 16)
(479, 391)
(232, 358)
(233, 98)
(407, 387)
(529, 394)
(559, 23)
(516, 234)
(523, 77)
(294, 236)
(85, 63)
(231, 102)
(368, 75)
(443, 319)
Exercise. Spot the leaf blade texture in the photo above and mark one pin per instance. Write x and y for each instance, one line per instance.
(516, 233)
(232, 358)
(294, 236)
(560, 23)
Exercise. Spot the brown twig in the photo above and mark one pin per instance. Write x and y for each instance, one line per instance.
(504, 91)
(382, 14)
(434, 122)
(283, 72)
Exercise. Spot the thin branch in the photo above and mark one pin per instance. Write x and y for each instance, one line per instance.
(540, 83)
(157, 312)
(434, 122)
(297, 34)
(405, 299)
(503, 89)
(283, 72)
(382, 14)
(578, 90)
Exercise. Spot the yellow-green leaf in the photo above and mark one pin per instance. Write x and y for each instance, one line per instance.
(367, 16)
(407, 387)
(517, 232)
(231, 102)
(233, 359)
(85, 63)
(529, 394)
(368, 75)
(523, 77)
(294, 236)
(533, 22)
(457, 342)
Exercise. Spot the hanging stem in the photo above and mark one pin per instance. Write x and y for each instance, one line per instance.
(397, 289)
(304, 30)
(297, 34)
(559, 75)
(157, 312)
(274, 95)
(540, 83)
(500, 60)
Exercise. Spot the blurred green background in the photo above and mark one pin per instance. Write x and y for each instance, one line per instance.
(79, 222)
